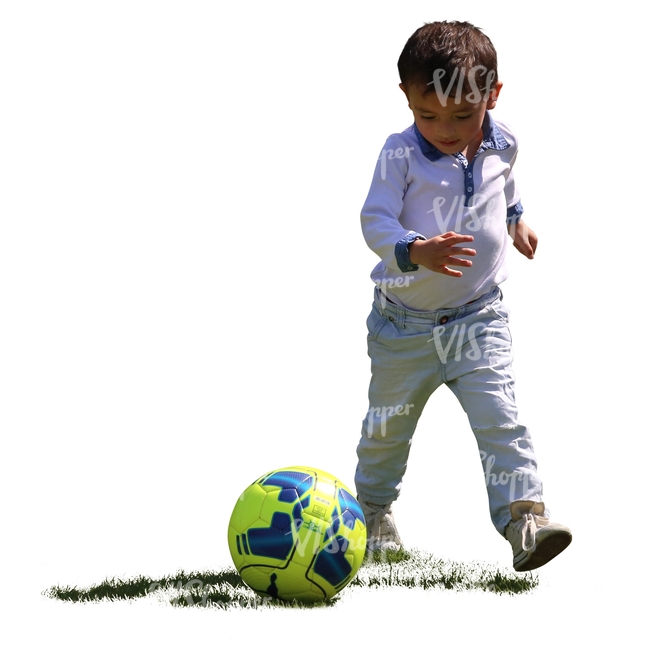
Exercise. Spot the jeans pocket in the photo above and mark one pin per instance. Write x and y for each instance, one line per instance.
(375, 323)
(499, 311)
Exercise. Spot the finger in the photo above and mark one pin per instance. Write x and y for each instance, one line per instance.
(452, 272)
(526, 251)
(457, 261)
(453, 250)
(455, 238)
(462, 251)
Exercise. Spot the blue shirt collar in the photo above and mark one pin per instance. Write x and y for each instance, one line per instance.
(492, 139)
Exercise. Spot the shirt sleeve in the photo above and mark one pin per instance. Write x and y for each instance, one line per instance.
(515, 209)
(380, 214)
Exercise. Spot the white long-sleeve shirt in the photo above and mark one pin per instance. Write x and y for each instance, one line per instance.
(419, 192)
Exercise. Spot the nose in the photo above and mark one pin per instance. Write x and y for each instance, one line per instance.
(446, 132)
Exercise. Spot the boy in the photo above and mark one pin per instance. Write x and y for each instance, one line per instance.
(440, 208)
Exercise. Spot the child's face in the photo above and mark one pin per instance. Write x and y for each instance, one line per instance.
(451, 127)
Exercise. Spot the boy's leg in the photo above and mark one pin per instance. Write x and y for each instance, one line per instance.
(483, 381)
(404, 374)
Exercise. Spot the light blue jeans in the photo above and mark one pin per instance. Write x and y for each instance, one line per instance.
(467, 348)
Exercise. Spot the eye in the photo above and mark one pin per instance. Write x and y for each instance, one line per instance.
(427, 117)
(463, 117)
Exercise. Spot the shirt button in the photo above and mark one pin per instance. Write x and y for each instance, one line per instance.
(469, 175)
(469, 189)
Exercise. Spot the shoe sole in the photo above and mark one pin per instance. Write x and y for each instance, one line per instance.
(546, 549)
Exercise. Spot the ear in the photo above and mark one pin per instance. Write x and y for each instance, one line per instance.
(403, 87)
(494, 94)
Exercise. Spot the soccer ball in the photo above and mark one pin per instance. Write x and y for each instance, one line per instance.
(297, 534)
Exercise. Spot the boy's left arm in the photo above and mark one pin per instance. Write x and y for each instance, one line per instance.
(524, 239)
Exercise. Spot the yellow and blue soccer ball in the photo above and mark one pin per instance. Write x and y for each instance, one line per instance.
(297, 534)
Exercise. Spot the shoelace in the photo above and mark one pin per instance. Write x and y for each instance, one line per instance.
(528, 530)
(377, 513)
(378, 525)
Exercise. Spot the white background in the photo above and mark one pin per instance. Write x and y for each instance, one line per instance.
(184, 288)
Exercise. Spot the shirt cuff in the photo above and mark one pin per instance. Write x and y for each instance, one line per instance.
(402, 252)
(514, 213)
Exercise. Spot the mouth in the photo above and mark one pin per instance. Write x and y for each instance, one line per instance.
(449, 143)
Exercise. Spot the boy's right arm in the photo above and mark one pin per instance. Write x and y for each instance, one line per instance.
(380, 214)
(439, 253)
(400, 249)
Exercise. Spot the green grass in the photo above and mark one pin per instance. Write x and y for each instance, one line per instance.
(225, 589)
(419, 570)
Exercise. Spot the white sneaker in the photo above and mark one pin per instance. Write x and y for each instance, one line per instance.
(380, 526)
(534, 539)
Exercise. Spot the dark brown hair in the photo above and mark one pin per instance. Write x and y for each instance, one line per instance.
(445, 49)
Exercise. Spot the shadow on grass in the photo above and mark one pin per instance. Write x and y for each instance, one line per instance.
(225, 589)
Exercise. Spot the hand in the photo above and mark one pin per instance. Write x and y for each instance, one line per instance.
(524, 239)
(438, 253)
